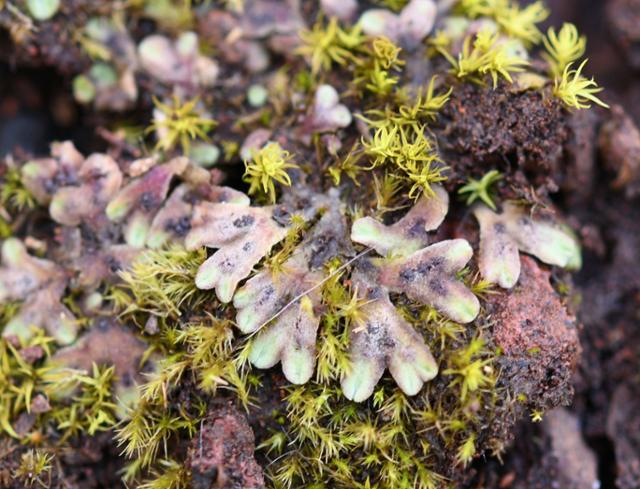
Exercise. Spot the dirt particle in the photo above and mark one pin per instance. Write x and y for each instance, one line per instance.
(221, 454)
(485, 129)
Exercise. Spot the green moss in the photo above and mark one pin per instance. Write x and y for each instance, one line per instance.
(283, 251)
(174, 15)
(169, 475)
(93, 409)
(145, 435)
(383, 443)
(180, 123)
(324, 46)
(485, 54)
(337, 443)
(205, 351)
(378, 67)
(13, 194)
(35, 468)
(513, 20)
(5, 229)
(317, 438)
(575, 90)
(79, 402)
(160, 283)
(267, 167)
(7, 311)
(480, 189)
(395, 5)
(20, 381)
(563, 48)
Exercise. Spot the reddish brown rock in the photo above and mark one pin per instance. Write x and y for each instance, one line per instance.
(538, 338)
(221, 454)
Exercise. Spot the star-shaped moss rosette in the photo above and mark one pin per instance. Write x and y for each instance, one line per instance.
(139, 201)
(243, 236)
(282, 305)
(503, 235)
(425, 274)
(39, 284)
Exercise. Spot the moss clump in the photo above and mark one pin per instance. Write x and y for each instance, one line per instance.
(35, 468)
(268, 165)
(392, 441)
(160, 283)
(191, 348)
(13, 194)
(514, 20)
(330, 282)
(71, 401)
(480, 189)
(326, 45)
(179, 123)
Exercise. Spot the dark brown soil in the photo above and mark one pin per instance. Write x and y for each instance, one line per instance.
(503, 129)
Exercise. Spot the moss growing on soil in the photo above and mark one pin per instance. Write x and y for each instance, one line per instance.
(353, 266)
